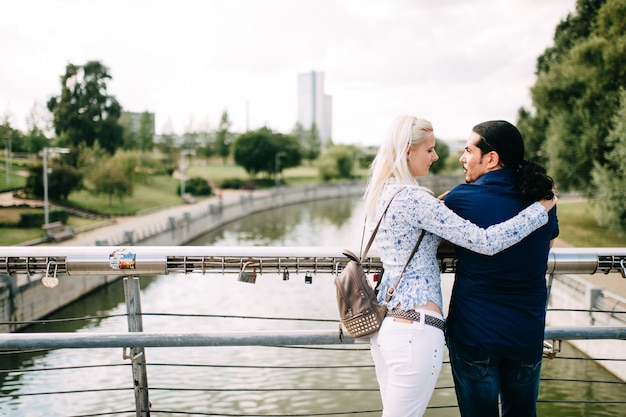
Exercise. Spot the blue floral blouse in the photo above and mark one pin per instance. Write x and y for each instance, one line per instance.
(414, 209)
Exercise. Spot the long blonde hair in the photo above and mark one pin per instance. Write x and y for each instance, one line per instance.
(391, 158)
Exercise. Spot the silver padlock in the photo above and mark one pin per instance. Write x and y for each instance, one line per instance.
(247, 276)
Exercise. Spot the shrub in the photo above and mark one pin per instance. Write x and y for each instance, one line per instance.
(37, 218)
(197, 186)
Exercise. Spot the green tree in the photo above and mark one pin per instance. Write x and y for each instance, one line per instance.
(336, 162)
(109, 180)
(311, 143)
(609, 179)
(533, 129)
(145, 133)
(196, 186)
(114, 176)
(84, 112)
(256, 151)
(443, 151)
(167, 146)
(223, 137)
(11, 138)
(576, 94)
(62, 180)
(129, 135)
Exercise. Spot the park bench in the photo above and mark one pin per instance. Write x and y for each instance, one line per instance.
(188, 198)
(57, 231)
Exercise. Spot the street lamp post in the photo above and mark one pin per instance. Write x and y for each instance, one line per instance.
(277, 166)
(182, 168)
(7, 160)
(45, 179)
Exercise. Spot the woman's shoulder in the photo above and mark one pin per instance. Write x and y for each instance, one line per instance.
(416, 191)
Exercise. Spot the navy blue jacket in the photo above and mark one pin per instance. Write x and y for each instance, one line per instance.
(498, 302)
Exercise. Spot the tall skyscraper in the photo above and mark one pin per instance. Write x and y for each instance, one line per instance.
(314, 105)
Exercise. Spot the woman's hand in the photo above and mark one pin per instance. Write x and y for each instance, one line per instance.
(443, 196)
(549, 204)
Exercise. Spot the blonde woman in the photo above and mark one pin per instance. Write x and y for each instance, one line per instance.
(408, 349)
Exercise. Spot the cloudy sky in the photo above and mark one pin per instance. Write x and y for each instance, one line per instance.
(454, 62)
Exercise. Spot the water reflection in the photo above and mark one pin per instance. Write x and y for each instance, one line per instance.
(301, 225)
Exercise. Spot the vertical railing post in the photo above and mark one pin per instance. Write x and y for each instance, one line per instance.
(137, 354)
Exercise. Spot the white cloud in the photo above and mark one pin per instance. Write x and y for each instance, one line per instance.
(454, 62)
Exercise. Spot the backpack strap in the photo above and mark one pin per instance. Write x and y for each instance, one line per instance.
(369, 243)
(392, 290)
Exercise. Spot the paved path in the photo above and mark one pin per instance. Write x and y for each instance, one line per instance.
(117, 226)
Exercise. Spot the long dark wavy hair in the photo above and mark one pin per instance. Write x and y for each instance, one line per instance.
(532, 180)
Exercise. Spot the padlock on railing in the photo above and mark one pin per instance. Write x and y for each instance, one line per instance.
(247, 276)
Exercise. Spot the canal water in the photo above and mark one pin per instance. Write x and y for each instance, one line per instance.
(243, 381)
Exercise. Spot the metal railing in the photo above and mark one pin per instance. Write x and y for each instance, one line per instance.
(153, 260)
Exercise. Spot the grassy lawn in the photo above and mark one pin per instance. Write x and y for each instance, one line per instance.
(218, 173)
(160, 191)
(10, 236)
(579, 227)
(15, 180)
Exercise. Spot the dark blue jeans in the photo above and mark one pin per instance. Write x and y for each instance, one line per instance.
(480, 377)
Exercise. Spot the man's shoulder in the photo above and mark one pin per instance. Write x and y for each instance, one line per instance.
(470, 200)
(463, 191)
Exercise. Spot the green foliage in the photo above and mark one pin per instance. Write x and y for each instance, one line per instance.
(159, 192)
(196, 186)
(336, 162)
(62, 180)
(309, 140)
(576, 94)
(232, 183)
(14, 136)
(167, 146)
(84, 112)
(145, 134)
(571, 30)
(609, 179)
(223, 137)
(443, 151)
(533, 129)
(37, 218)
(108, 179)
(113, 176)
(263, 151)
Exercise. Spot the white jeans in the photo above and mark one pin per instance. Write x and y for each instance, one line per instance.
(408, 358)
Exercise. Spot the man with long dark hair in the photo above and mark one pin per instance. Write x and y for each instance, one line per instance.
(496, 319)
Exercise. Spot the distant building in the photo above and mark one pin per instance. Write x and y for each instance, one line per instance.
(132, 120)
(314, 105)
(132, 124)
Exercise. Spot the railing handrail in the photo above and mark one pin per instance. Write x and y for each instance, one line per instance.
(62, 340)
(158, 260)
